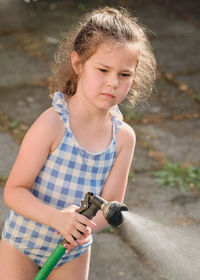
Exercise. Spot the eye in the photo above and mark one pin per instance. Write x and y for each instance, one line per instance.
(124, 75)
(103, 70)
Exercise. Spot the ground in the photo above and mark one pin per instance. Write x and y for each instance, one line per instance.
(167, 127)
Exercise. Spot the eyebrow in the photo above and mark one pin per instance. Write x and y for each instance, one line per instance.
(124, 70)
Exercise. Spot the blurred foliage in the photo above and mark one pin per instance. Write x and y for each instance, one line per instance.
(14, 124)
(82, 7)
(3, 179)
(109, 229)
(15, 127)
(131, 176)
(173, 174)
(130, 114)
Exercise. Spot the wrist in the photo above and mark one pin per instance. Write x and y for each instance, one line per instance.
(53, 217)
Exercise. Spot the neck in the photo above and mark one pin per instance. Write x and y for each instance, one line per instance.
(91, 126)
(81, 108)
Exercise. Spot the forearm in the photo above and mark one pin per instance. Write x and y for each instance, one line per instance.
(23, 202)
(100, 221)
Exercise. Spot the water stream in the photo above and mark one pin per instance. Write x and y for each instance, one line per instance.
(173, 251)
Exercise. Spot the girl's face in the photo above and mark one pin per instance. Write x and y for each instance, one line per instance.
(106, 77)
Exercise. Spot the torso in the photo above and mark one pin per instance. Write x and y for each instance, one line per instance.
(67, 174)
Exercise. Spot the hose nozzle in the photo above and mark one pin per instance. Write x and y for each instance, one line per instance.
(111, 210)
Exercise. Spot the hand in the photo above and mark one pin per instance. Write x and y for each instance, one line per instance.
(85, 238)
(74, 227)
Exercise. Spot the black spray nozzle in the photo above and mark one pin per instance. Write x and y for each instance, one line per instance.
(111, 210)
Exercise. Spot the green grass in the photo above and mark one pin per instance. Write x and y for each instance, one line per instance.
(129, 114)
(3, 179)
(173, 174)
(109, 229)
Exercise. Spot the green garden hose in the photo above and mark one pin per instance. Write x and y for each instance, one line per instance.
(51, 262)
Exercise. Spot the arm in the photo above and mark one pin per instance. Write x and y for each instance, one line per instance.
(45, 134)
(31, 157)
(115, 185)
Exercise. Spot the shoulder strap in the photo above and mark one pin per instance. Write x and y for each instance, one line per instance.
(60, 107)
(117, 118)
(116, 125)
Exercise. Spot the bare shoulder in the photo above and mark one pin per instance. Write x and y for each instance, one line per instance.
(36, 146)
(48, 127)
(126, 137)
(49, 118)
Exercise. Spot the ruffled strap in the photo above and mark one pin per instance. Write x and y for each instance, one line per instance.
(115, 112)
(60, 107)
(117, 118)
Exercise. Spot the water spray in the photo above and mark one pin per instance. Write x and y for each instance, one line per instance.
(89, 208)
(174, 251)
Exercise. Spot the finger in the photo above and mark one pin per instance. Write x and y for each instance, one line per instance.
(70, 209)
(85, 235)
(82, 228)
(68, 247)
(85, 221)
(71, 240)
(84, 240)
(74, 207)
(87, 231)
(76, 234)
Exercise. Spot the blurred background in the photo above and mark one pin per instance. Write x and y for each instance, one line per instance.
(167, 126)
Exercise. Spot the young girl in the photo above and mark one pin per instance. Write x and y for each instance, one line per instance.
(80, 144)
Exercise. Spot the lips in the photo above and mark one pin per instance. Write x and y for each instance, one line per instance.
(109, 95)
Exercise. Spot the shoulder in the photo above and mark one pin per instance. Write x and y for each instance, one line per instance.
(48, 120)
(127, 130)
(47, 128)
(126, 138)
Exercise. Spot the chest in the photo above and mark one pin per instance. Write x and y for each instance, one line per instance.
(93, 138)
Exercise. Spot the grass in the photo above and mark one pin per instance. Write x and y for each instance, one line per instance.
(109, 229)
(174, 174)
(129, 114)
(3, 179)
(15, 127)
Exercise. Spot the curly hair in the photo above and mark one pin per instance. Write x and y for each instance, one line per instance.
(84, 38)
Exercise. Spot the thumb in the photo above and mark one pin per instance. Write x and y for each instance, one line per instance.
(71, 209)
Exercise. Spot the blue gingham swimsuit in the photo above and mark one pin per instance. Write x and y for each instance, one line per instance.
(68, 173)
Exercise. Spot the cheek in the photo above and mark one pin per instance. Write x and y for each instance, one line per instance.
(95, 79)
(126, 86)
(91, 81)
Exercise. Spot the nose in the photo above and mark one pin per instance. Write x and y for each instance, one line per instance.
(113, 81)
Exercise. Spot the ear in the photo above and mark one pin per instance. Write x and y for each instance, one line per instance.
(76, 62)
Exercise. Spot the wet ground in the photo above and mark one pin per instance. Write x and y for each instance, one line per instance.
(167, 128)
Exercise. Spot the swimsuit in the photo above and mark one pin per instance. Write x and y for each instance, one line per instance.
(68, 173)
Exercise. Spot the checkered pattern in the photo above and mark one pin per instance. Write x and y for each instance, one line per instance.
(67, 174)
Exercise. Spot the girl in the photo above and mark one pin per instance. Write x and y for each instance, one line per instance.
(80, 144)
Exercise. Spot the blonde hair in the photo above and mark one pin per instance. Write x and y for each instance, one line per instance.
(94, 28)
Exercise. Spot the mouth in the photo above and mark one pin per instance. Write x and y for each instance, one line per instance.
(108, 95)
